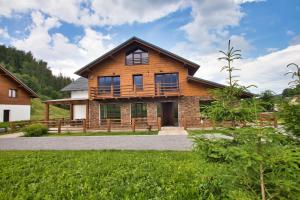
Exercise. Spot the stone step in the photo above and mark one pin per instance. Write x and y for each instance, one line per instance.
(172, 131)
(170, 128)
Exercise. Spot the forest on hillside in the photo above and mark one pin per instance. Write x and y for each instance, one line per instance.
(33, 72)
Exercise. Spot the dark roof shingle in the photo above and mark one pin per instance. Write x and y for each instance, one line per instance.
(80, 84)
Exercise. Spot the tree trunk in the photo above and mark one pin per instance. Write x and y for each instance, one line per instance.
(262, 183)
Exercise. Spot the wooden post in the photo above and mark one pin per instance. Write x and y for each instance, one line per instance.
(133, 124)
(71, 111)
(108, 125)
(111, 90)
(87, 117)
(46, 112)
(84, 125)
(59, 126)
(275, 122)
(159, 123)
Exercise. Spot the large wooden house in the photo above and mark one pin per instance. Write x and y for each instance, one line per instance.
(139, 80)
(15, 97)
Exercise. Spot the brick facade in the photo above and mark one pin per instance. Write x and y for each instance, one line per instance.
(94, 114)
(152, 113)
(125, 113)
(188, 109)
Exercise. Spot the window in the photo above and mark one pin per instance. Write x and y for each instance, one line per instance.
(12, 93)
(166, 82)
(137, 57)
(110, 111)
(138, 82)
(109, 85)
(138, 110)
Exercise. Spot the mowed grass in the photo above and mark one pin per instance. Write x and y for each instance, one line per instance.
(103, 175)
(102, 133)
(38, 111)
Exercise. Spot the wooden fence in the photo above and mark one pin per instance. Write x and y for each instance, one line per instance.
(67, 125)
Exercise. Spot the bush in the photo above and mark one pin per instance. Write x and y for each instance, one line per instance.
(290, 114)
(4, 125)
(35, 130)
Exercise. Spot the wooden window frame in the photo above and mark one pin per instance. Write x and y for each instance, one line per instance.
(133, 82)
(131, 52)
(10, 93)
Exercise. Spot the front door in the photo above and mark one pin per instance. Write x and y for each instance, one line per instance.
(168, 111)
(6, 115)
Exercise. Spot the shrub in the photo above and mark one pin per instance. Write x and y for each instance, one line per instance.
(35, 130)
(4, 125)
(290, 114)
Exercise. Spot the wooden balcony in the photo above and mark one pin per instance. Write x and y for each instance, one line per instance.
(133, 91)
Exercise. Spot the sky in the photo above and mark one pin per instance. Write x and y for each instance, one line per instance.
(69, 34)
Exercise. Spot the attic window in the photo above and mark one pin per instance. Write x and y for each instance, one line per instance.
(137, 56)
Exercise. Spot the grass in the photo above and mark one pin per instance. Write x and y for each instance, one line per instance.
(38, 109)
(102, 133)
(104, 175)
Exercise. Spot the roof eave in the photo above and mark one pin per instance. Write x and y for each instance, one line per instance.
(186, 62)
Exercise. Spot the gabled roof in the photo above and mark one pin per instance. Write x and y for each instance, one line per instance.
(193, 67)
(14, 78)
(80, 84)
(216, 85)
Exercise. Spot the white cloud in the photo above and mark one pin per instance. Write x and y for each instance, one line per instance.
(271, 49)
(95, 12)
(3, 33)
(267, 72)
(295, 40)
(290, 32)
(61, 55)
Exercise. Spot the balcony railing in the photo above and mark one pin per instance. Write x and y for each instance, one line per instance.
(132, 91)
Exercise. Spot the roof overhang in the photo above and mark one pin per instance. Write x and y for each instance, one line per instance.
(192, 67)
(216, 85)
(67, 101)
(14, 78)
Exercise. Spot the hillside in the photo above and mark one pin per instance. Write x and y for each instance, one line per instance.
(34, 73)
(38, 109)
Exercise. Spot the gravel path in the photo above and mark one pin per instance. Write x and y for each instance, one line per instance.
(157, 142)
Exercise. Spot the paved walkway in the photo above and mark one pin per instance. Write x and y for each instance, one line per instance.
(153, 142)
(12, 135)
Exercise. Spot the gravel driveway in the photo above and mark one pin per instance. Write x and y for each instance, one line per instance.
(153, 142)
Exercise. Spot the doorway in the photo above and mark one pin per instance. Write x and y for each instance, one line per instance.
(169, 113)
(6, 115)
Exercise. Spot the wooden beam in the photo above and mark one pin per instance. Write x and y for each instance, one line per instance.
(47, 112)
(71, 111)
(87, 111)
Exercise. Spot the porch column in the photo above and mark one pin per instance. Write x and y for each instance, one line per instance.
(71, 111)
(46, 112)
(152, 113)
(87, 117)
(125, 113)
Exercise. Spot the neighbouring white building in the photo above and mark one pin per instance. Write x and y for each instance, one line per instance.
(15, 97)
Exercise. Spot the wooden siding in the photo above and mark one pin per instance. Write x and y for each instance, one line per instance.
(158, 63)
(7, 83)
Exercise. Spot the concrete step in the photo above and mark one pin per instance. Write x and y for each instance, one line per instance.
(170, 128)
(172, 131)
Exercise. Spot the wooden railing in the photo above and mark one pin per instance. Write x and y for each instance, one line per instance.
(131, 91)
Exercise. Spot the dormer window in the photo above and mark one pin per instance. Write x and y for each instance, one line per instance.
(137, 56)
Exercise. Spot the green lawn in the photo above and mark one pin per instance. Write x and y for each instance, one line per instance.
(105, 175)
(38, 109)
(102, 133)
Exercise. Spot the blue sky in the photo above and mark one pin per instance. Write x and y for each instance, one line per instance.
(69, 34)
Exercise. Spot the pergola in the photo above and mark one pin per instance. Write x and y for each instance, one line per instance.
(70, 102)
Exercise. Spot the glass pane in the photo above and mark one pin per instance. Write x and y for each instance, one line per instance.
(116, 85)
(138, 81)
(110, 111)
(138, 110)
